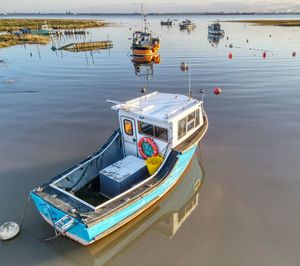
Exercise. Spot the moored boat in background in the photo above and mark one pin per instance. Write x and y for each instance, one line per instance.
(168, 22)
(187, 24)
(215, 29)
(143, 42)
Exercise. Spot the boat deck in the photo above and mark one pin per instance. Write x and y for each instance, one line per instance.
(92, 216)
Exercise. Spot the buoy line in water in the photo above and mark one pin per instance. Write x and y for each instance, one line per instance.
(248, 48)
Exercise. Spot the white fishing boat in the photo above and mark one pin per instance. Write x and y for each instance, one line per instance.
(187, 24)
(139, 164)
(215, 29)
(168, 22)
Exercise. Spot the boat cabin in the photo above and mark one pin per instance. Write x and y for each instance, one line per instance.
(167, 119)
(142, 38)
(216, 26)
(151, 125)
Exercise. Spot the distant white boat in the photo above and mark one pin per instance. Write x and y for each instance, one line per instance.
(187, 24)
(215, 29)
(168, 22)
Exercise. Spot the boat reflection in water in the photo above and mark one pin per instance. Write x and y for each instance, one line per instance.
(166, 217)
(212, 38)
(143, 66)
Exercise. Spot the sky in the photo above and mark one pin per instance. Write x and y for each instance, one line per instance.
(160, 6)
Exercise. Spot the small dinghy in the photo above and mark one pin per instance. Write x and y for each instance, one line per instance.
(139, 164)
(9, 230)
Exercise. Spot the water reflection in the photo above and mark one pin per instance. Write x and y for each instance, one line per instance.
(166, 217)
(143, 66)
(212, 38)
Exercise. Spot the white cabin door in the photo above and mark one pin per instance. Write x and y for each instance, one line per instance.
(129, 135)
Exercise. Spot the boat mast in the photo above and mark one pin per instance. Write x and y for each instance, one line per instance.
(190, 78)
(145, 19)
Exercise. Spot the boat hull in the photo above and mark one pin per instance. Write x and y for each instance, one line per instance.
(187, 27)
(147, 59)
(85, 235)
(215, 32)
(144, 52)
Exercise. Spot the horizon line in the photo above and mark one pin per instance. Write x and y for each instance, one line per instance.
(68, 13)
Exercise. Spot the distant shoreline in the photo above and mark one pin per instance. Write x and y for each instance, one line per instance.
(138, 14)
(280, 23)
(33, 26)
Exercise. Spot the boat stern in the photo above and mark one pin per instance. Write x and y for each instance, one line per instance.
(63, 223)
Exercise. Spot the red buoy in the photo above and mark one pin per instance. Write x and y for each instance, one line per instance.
(230, 55)
(264, 54)
(217, 91)
(294, 54)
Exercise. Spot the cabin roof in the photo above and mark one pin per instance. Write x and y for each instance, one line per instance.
(158, 106)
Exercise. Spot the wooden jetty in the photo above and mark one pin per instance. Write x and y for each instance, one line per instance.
(75, 32)
(87, 46)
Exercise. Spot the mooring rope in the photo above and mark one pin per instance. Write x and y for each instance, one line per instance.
(23, 220)
(59, 234)
(25, 211)
(37, 237)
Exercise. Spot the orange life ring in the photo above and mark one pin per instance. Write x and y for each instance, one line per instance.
(152, 144)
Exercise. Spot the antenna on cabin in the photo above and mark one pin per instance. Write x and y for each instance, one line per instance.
(185, 67)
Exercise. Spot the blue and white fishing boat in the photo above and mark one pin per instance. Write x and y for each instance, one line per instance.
(139, 164)
(215, 29)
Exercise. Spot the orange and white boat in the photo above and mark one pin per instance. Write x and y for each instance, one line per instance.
(144, 44)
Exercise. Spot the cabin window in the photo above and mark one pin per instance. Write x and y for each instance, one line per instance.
(190, 125)
(153, 131)
(186, 124)
(128, 127)
(181, 128)
(197, 119)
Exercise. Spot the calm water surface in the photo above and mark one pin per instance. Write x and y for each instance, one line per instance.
(53, 113)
